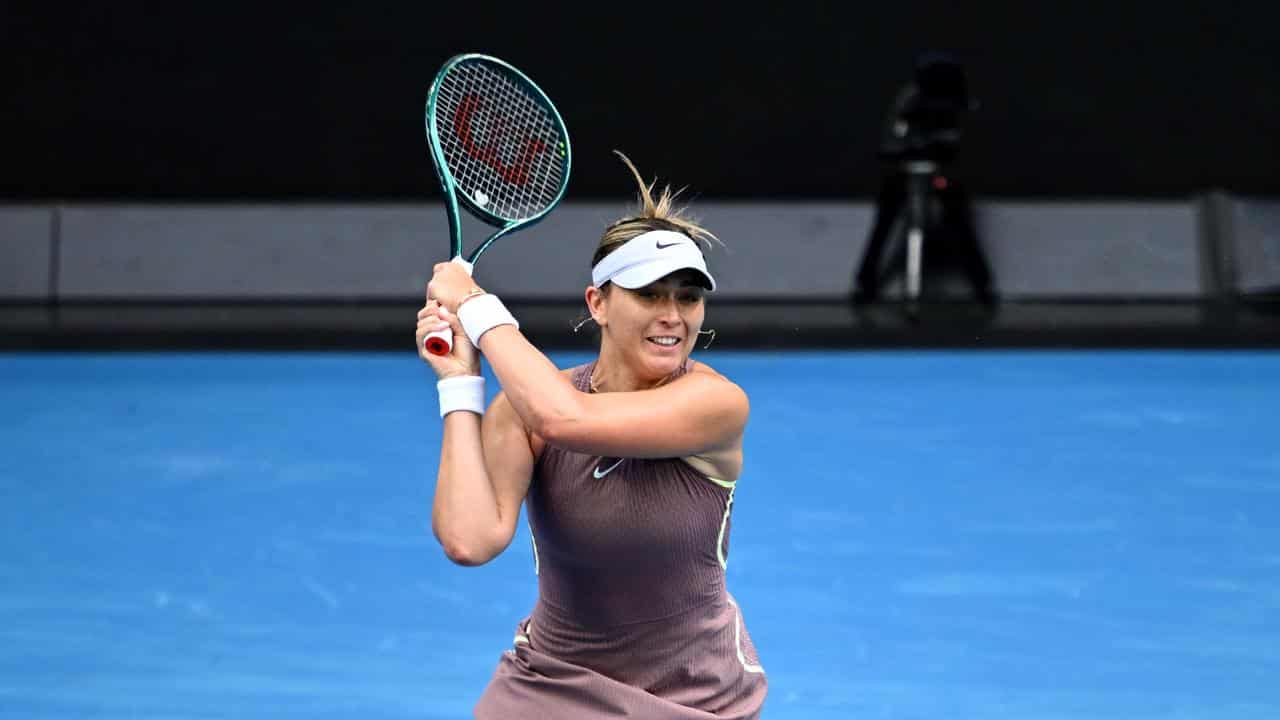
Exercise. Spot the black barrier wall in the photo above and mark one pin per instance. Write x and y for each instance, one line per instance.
(277, 101)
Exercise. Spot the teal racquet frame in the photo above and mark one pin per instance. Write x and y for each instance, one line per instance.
(501, 76)
(450, 185)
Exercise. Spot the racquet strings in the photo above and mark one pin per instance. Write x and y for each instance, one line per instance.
(501, 144)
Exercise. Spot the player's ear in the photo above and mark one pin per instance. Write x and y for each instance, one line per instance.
(596, 304)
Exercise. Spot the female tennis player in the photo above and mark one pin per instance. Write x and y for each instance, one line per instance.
(628, 466)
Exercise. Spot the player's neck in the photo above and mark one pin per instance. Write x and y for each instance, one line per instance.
(611, 374)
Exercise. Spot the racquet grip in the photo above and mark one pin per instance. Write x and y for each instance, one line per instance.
(440, 342)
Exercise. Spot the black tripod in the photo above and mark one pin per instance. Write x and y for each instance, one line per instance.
(922, 136)
(917, 198)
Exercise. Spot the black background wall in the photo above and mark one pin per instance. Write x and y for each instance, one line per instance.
(283, 101)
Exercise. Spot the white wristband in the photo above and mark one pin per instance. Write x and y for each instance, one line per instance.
(481, 314)
(465, 392)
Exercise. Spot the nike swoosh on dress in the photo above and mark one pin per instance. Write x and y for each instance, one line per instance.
(598, 474)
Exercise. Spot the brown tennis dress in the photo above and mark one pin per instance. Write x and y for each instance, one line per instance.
(633, 619)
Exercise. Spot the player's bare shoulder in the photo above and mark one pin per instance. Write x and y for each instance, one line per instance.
(536, 443)
(501, 410)
(700, 367)
(724, 462)
(704, 370)
(724, 388)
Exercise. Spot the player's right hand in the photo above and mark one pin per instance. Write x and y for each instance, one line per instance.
(463, 360)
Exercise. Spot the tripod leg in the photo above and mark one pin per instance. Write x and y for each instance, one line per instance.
(957, 208)
(915, 251)
(915, 237)
(888, 204)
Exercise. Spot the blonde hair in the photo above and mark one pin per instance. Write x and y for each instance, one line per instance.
(660, 214)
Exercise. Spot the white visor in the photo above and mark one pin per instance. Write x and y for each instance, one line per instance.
(651, 256)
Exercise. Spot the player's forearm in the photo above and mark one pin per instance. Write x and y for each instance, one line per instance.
(540, 395)
(464, 515)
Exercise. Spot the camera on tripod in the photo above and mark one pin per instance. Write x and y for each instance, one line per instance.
(920, 138)
(926, 120)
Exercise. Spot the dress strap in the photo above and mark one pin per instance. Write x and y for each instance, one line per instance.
(581, 377)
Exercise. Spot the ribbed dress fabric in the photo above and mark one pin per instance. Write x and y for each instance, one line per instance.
(633, 619)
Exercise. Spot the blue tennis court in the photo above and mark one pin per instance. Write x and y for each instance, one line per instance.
(1022, 535)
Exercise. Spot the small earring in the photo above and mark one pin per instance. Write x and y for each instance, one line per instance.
(710, 340)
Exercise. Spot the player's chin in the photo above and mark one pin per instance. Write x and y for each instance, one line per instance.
(664, 358)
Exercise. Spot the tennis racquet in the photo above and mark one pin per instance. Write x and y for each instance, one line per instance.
(499, 147)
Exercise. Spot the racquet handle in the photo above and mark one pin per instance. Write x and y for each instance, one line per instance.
(440, 342)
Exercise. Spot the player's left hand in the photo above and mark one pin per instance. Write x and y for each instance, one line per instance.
(449, 285)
